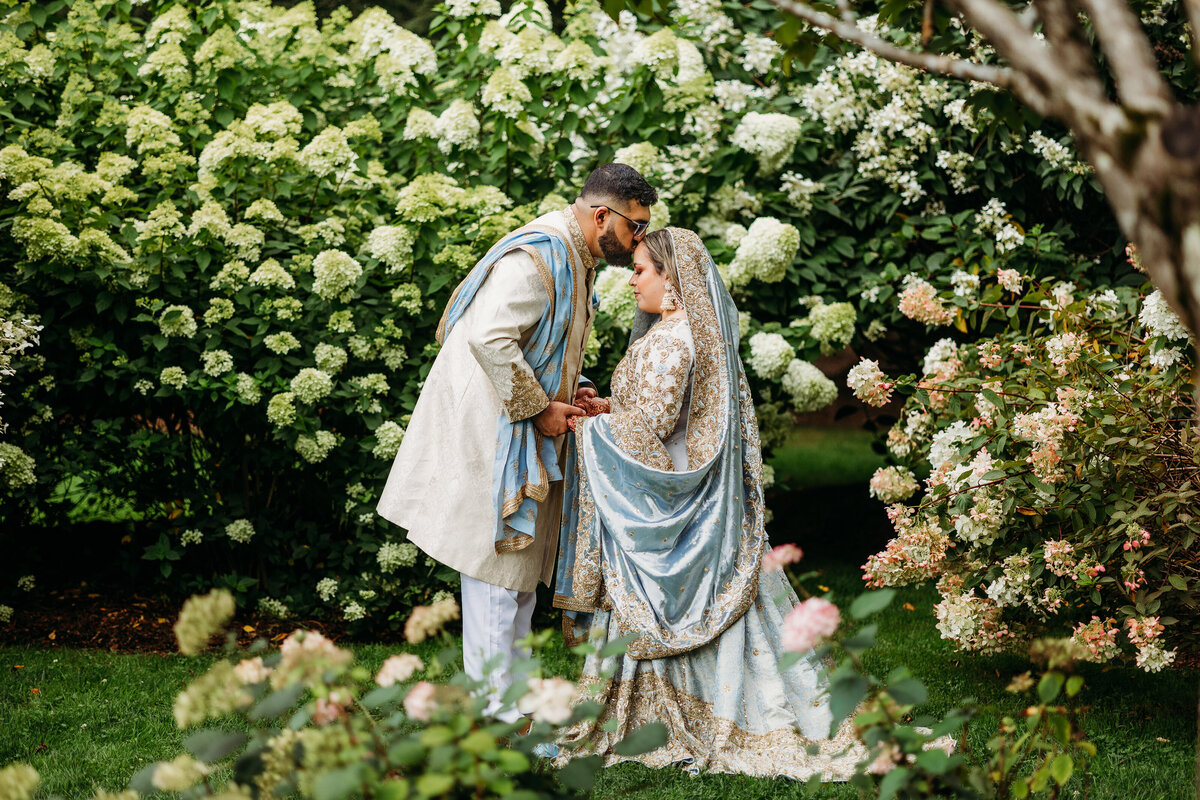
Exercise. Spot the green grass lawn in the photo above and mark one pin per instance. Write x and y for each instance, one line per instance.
(96, 718)
(815, 457)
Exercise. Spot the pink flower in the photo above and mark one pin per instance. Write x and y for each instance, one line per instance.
(809, 622)
(252, 671)
(330, 708)
(398, 669)
(781, 556)
(548, 700)
(419, 702)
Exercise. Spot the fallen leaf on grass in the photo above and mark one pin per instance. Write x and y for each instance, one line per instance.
(36, 690)
(909, 607)
(823, 588)
(18, 666)
(248, 628)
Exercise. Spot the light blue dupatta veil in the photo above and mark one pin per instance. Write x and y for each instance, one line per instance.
(526, 462)
(674, 554)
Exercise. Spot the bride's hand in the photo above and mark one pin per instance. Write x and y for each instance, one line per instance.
(584, 393)
(595, 406)
(554, 418)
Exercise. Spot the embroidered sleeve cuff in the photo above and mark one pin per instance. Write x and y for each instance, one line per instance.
(527, 397)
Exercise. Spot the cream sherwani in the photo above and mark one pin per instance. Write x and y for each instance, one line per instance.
(440, 486)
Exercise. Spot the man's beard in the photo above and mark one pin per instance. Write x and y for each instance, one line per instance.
(614, 252)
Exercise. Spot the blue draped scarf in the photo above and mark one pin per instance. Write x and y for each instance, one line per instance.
(525, 462)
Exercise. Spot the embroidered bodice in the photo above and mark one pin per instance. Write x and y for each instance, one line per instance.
(651, 388)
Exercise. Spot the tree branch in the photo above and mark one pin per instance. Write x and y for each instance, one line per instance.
(1130, 58)
(1000, 77)
(1066, 37)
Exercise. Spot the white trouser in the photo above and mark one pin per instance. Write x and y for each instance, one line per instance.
(494, 620)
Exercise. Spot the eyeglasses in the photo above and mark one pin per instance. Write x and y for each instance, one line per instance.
(639, 228)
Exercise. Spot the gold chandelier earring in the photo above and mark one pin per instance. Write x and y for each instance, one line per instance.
(671, 299)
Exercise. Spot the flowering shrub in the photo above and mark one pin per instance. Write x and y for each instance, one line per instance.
(1063, 467)
(245, 240)
(312, 724)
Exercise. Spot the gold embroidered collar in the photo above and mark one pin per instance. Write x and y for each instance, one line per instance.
(578, 239)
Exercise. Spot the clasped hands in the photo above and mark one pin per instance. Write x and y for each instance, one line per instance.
(558, 418)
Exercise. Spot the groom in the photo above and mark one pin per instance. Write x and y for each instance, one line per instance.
(477, 482)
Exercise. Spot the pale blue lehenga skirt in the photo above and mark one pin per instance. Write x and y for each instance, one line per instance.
(726, 705)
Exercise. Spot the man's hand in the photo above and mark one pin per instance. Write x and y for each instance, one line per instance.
(584, 393)
(552, 421)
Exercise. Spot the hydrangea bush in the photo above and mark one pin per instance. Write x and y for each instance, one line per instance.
(1061, 458)
(239, 223)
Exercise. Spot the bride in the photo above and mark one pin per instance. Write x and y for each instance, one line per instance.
(663, 540)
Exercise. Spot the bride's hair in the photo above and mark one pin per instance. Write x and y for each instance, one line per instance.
(661, 247)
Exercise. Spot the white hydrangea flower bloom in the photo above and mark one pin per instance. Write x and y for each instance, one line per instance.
(281, 409)
(329, 153)
(271, 274)
(216, 362)
(311, 385)
(281, 343)
(506, 94)
(616, 296)
(770, 137)
(174, 377)
(642, 156)
(832, 325)
(766, 251)
(393, 555)
(327, 589)
(177, 321)
(247, 389)
(389, 435)
(770, 355)
(810, 389)
(335, 272)
(457, 126)
(463, 9)
(760, 53)
(317, 447)
(240, 531)
(1159, 319)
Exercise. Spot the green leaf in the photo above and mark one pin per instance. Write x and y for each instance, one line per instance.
(1074, 684)
(845, 696)
(1049, 686)
(617, 647)
(1178, 582)
(276, 703)
(338, 784)
(861, 640)
(648, 737)
(512, 761)
(580, 774)
(893, 782)
(1061, 768)
(789, 660)
(935, 761)
(210, 746)
(869, 603)
(908, 691)
(432, 785)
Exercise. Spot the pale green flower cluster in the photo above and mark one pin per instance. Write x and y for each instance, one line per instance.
(642, 156)
(353, 611)
(388, 436)
(178, 775)
(191, 536)
(392, 245)
(334, 272)
(462, 9)
(247, 389)
(800, 191)
(177, 321)
(329, 153)
(393, 555)
(327, 589)
(373, 383)
(770, 355)
(213, 695)
(6, 614)
(659, 52)
(399, 55)
(578, 62)
(231, 277)
(330, 358)
(26, 583)
(281, 409)
(276, 608)
(202, 617)
(616, 296)
(316, 448)
(506, 94)
(407, 297)
(832, 325)
(765, 253)
(16, 467)
(271, 274)
(219, 310)
(240, 531)
(458, 126)
(216, 362)
(281, 343)
(264, 210)
(18, 781)
(143, 386)
(311, 385)
(808, 387)
(770, 137)
(174, 377)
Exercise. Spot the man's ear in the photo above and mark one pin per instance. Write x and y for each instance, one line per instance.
(598, 217)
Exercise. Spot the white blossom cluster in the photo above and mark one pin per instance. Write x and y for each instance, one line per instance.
(393, 555)
(800, 191)
(943, 351)
(765, 253)
(893, 484)
(1158, 318)
(316, 448)
(993, 219)
(398, 56)
(770, 355)
(616, 296)
(388, 437)
(334, 272)
(216, 362)
(1057, 155)
(809, 387)
(240, 531)
(769, 137)
(310, 385)
(832, 325)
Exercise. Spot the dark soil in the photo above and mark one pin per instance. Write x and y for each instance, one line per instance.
(81, 618)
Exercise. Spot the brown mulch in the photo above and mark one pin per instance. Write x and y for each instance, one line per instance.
(81, 618)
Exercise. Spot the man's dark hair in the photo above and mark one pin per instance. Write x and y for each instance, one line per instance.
(619, 183)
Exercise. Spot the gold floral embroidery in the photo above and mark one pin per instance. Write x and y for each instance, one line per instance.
(578, 240)
(699, 739)
(526, 396)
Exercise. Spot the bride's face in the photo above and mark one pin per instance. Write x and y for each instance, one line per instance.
(649, 285)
